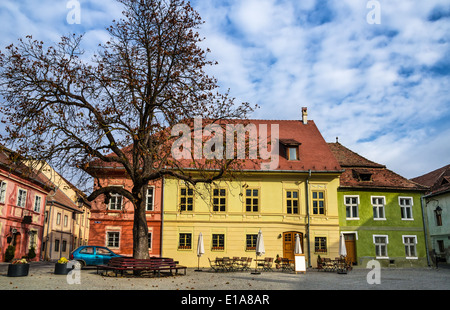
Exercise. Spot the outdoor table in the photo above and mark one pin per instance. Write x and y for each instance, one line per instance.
(238, 263)
(287, 264)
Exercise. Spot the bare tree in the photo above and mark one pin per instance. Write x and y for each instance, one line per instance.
(116, 108)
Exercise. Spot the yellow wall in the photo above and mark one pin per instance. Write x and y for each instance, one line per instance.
(236, 223)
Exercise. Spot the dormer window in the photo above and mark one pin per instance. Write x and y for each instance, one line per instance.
(362, 175)
(291, 148)
(365, 177)
(292, 153)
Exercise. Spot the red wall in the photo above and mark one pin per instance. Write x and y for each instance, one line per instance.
(12, 216)
(103, 220)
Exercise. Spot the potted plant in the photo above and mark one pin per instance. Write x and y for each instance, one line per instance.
(61, 266)
(319, 262)
(31, 254)
(277, 262)
(9, 253)
(18, 268)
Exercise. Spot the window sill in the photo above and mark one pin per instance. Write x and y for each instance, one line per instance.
(218, 249)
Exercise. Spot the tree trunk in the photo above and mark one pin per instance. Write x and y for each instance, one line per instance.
(140, 229)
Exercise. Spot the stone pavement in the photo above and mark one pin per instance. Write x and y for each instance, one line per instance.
(41, 277)
(216, 290)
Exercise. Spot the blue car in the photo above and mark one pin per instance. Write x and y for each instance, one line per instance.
(88, 255)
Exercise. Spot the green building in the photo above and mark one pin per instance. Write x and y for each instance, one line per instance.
(380, 213)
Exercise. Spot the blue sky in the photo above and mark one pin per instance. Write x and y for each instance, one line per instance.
(383, 89)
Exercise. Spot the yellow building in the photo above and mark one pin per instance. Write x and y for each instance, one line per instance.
(298, 196)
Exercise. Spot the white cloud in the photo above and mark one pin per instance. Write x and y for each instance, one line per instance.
(365, 83)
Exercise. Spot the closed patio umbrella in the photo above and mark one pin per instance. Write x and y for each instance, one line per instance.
(200, 249)
(342, 248)
(343, 253)
(260, 250)
(298, 247)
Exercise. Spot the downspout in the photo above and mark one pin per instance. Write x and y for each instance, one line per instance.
(42, 254)
(308, 219)
(162, 219)
(425, 229)
(47, 240)
(49, 222)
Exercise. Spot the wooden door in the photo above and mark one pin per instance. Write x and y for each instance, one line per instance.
(289, 243)
(350, 245)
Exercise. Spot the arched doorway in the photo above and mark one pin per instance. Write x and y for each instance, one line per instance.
(289, 243)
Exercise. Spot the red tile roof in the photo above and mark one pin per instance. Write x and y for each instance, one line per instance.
(357, 169)
(438, 180)
(314, 153)
(20, 169)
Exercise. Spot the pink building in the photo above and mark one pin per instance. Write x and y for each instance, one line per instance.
(22, 205)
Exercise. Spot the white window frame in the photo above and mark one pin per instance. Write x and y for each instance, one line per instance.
(19, 197)
(37, 206)
(3, 187)
(147, 196)
(404, 207)
(116, 207)
(114, 241)
(352, 216)
(378, 206)
(381, 244)
(409, 245)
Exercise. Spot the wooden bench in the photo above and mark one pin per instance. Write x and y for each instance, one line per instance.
(154, 264)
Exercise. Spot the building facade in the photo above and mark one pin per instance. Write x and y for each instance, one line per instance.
(380, 213)
(111, 224)
(22, 204)
(437, 211)
(298, 196)
(67, 213)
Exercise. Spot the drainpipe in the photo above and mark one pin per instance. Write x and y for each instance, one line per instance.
(49, 222)
(307, 215)
(422, 199)
(47, 240)
(42, 251)
(162, 219)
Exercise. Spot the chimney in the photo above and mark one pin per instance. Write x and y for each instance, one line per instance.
(305, 115)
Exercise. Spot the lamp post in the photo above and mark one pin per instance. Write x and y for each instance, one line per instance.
(438, 212)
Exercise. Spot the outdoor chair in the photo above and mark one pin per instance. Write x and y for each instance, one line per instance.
(328, 265)
(286, 264)
(214, 265)
(247, 263)
(268, 261)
